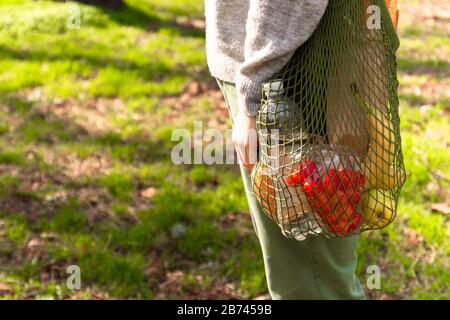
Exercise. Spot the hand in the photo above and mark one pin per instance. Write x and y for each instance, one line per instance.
(245, 139)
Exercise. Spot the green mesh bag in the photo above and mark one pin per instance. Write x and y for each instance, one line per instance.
(330, 159)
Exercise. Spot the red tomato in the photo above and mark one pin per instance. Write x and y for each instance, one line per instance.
(339, 225)
(345, 219)
(345, 199)
(334, 177)
(331, 218)
(328, 187)
(323, 204)
(338, 199)
(295, 178)
(356, 198)
(349, 209)
(308, 166)
(343, 226)
(319, 188)
(324, 185)
(344, 179)
(349, 172)
(362, 179)
(304, 165)
(289, 180)
(326, 181)
(354, 195)
(308, 188)
(302, 176)
(355, 179)
(331, 172)
(356, 221)
(337, 228)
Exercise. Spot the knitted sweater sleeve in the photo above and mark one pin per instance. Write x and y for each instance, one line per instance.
(274, 31)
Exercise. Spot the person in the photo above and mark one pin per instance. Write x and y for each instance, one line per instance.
(247, 42)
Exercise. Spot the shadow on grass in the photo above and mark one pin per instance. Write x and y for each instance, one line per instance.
(50, 130)
(130, 15)
(81, 225)
(148, 71)
(434, 67)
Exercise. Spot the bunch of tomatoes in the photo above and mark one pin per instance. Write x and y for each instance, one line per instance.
(334, 195)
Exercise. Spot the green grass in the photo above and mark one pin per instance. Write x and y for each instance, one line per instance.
(69, 218)
(12, 157)
(120, 185)
(85, 169)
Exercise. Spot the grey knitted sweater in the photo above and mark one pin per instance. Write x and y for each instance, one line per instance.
(248, 41)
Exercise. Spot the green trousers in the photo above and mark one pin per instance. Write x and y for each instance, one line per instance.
(316, 268)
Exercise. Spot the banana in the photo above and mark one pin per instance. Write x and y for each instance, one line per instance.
(379, 208)
(380, 174)
(377, 163)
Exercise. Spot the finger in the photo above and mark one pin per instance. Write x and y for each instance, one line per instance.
(243, 155)
(249, 167)
(252, 148)
(249, 163)
(245, 151)
(239, 152)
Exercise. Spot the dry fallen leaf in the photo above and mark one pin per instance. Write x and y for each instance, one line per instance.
(190, 23)
(35, 243)
(5, 289)
(172, 280)
(49, 236)
(35, 248)
(442, 207)
(413, 237)
(149, 192)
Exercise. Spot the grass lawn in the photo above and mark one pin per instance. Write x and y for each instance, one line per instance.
(86, 176)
